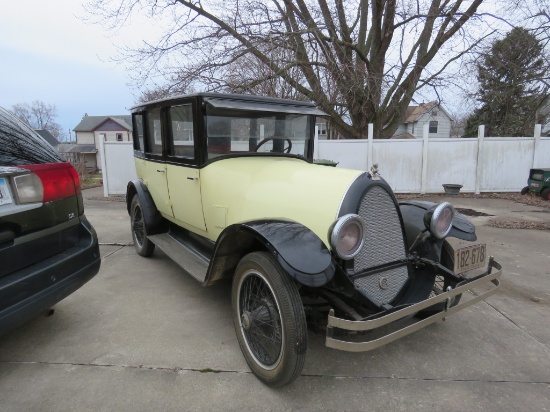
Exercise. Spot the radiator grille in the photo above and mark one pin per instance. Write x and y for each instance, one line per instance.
(384, 243)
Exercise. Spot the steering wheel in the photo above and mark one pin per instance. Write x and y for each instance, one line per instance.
(285, 150)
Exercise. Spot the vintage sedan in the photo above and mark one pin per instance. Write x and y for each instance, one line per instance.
(227, 188)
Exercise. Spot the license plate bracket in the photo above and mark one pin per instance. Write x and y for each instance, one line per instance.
(470, 258)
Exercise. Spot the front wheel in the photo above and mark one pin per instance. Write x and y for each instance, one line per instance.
(545, 194)
(525, 190)
(269, 320)
(144, 247)
(441, 284)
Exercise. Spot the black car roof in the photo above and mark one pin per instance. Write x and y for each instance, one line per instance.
(240, 101)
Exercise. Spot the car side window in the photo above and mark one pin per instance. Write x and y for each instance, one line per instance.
(182, 141)
(138, 132)
(154, 136)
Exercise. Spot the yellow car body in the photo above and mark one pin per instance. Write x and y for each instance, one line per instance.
(228, 189)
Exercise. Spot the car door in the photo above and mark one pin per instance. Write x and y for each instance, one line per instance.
(181, 167)
(152, 169)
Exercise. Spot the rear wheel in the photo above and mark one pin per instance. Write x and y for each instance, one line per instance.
(269, 320)
(525, 190)
(441, 284)
(144, 247)
(545, 194)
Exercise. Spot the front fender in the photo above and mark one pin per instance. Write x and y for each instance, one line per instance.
(297, 249)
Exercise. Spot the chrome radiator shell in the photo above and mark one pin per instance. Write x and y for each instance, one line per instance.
(384, 243)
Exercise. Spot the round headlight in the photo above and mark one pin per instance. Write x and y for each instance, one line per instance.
(347, 236)
(441, 220)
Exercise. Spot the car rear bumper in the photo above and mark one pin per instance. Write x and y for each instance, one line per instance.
(29, 291)
(489, 278)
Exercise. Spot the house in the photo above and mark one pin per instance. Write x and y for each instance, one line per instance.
(91, 130)
(416, 117)
(47, 136)
(412, 125)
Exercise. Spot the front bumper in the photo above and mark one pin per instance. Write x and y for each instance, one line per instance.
(489, 278)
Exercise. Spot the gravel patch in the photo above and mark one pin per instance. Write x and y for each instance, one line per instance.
(528, 199)
(515, 224)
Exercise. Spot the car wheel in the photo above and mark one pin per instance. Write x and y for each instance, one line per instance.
(545, 194)
(269, 320)
(144, 247)
(525, 190)
(441, 284)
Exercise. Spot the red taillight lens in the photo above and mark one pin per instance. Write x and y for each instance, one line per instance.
(59, 180)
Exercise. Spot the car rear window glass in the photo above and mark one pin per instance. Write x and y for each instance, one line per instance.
(154, 137)
(20, 145)
(181, 131)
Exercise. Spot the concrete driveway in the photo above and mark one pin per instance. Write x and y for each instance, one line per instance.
(144, 336)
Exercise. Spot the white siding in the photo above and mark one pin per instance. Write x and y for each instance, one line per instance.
(85, 138)
(443, 126)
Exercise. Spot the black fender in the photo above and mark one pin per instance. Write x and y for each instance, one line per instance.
(151, 216)
(413, 219)
(296, 248)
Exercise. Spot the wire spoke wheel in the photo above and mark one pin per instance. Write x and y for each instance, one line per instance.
(260, 320)
(137, 226)
(441, 284)
(269, 319)
(144, 247)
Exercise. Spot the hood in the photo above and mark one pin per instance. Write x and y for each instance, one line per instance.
(252, 188)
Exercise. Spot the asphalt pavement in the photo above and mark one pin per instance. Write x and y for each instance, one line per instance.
(144, 336)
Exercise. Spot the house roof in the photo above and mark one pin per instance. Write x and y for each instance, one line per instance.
(90, 123)
(47, 136)
(413, 113)
(77, 148)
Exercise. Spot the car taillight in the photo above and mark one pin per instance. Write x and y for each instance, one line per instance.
(57, 181)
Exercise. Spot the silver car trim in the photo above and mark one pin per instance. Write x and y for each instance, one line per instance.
(490, 278)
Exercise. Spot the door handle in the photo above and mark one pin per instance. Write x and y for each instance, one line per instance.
(192, 178)
(161, 171)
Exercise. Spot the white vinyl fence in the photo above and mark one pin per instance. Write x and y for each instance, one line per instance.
(118, 168)
(485, 164)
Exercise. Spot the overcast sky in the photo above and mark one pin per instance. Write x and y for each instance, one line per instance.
(49, 54)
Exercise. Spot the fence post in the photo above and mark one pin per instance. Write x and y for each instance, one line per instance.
(104, 168)
(538, 132)
(425, 137)
(479, 166)
(316, 143)
(370, 136)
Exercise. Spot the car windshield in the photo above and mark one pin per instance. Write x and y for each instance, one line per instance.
(239, 131)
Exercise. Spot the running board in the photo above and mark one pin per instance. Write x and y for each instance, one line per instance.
(184, 257)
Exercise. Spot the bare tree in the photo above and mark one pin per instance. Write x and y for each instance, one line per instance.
(361, 61)
(39, 115)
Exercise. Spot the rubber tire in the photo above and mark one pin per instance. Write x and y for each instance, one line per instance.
(447, 260)
(291, 311)
(525, 190)
(144, 248)
(545, 194)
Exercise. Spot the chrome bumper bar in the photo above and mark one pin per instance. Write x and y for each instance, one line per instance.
(490, 277)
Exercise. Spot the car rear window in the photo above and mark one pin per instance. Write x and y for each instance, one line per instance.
(20, 145)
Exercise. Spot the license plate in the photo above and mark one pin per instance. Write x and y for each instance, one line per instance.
(5, 196)
(470, 257)
(534, 185)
